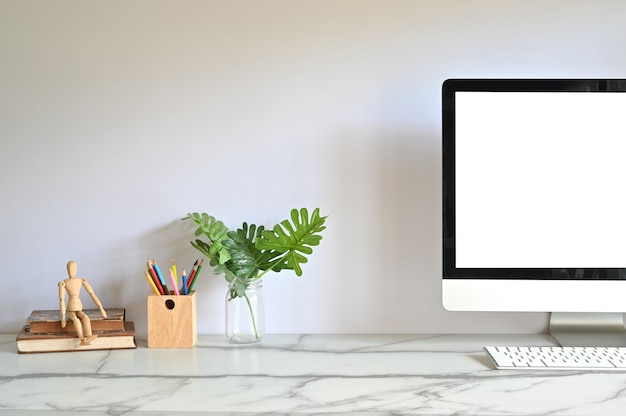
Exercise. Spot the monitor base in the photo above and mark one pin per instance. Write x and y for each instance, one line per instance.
(571, 329)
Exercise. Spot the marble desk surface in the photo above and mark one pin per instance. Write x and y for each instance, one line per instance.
(302, 374)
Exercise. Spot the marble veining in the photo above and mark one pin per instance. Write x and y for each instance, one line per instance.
(302, 374)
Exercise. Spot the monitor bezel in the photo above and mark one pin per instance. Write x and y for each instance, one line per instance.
(472, 289)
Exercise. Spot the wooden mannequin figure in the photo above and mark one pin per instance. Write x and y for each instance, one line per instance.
(72, 286)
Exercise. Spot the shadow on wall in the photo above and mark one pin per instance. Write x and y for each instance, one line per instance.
(409, 186)
(389, 188)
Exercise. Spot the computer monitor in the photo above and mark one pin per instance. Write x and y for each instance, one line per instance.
(534, 202)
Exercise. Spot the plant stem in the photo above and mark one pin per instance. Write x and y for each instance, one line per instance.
(256, 333)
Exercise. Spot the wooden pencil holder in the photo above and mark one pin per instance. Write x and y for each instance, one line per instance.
(172, 321)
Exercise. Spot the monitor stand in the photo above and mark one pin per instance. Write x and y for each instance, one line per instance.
(588, 329)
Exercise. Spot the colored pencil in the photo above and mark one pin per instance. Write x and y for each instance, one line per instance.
(195, 276)
(175, 272)
(157, 269)
(149, 278)
(155, 278)
(185, 288)
(173, 279)
(193, 273)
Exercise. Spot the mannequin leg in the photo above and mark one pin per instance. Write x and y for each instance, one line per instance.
(77, 324)
(86, 323)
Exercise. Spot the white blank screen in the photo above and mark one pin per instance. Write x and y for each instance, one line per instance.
(540, 180)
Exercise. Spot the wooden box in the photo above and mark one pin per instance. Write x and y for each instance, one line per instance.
(172, 321)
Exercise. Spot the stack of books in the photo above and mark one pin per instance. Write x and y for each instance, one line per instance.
(43, 332)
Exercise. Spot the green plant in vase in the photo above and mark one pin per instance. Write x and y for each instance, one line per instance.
(245, 255)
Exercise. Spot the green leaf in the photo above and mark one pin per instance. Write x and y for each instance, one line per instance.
(241, 250)
(201, 246)
(215, 232)
(293, 239)
(246, 259)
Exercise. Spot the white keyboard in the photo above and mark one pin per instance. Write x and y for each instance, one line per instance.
(558, 358)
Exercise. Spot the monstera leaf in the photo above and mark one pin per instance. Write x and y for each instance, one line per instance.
(293, 239)
(216, 232)
(244, 254)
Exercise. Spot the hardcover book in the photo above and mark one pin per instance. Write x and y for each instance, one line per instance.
(29, 342)
(46, 321)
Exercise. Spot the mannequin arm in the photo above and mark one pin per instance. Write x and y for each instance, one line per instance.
(94, 297)
(62, 303)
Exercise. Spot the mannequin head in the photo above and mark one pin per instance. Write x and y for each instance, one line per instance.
(72, 267)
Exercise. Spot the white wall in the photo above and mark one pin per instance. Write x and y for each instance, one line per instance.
(119, 117)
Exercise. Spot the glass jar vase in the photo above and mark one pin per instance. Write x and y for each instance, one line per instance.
(245, 315)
